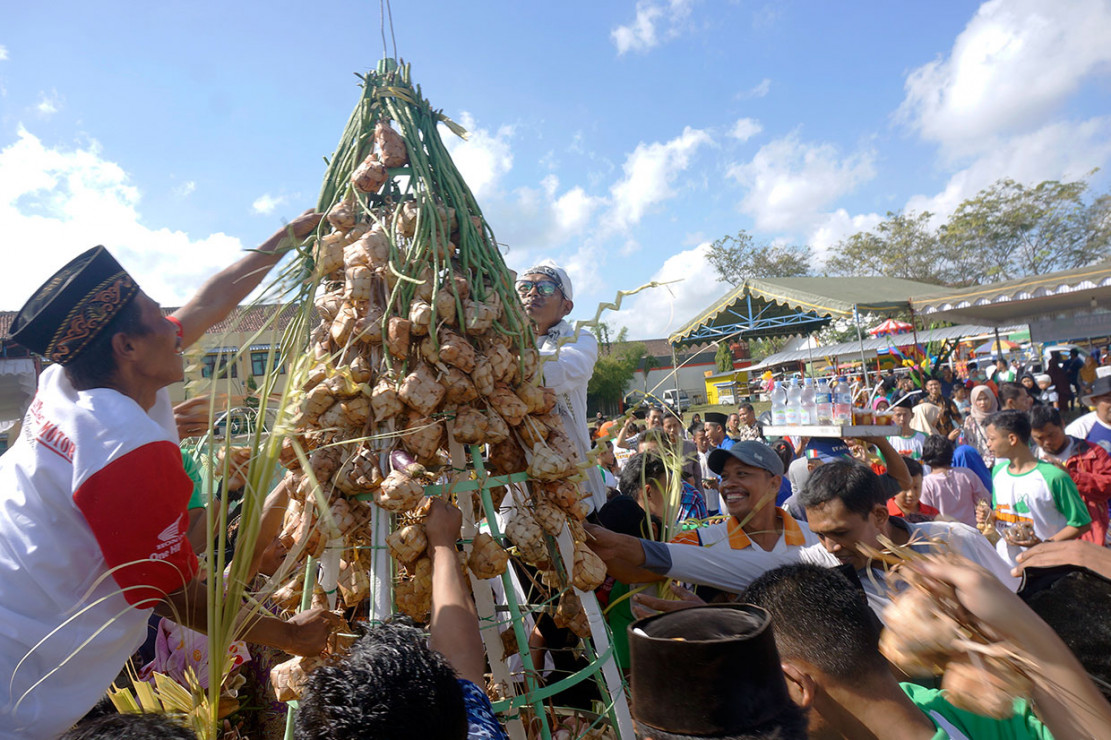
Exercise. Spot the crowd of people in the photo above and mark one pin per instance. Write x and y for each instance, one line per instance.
(745, 591)
(989, 472)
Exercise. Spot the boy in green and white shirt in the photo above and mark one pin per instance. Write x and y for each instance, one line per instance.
(1032, 501)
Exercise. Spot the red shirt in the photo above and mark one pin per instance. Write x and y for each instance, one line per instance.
(923, 510)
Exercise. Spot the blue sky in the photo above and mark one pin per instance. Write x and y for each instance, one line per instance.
(617, 137)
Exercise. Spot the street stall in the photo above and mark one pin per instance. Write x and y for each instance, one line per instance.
(800, 305)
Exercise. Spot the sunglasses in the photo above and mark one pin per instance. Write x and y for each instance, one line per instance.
(543, 287)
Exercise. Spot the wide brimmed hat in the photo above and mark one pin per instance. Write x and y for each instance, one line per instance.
(706, 671)
(73, 307)
(1101, 387)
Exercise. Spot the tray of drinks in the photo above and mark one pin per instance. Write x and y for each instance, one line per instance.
(830, 430)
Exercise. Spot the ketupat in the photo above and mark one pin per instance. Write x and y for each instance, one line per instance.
(419, 324)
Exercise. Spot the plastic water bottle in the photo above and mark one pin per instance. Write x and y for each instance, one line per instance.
(779, 405)
(809, 410)
(842, 403)
(823, 402)
(794, 404)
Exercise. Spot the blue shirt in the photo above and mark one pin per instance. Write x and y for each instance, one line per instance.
(726, 443)
(691, 503)
(481, 721)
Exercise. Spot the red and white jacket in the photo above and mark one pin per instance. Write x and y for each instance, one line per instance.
(93, 520)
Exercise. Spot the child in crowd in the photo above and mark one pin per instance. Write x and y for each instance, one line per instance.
(954, 492)
(907, 503)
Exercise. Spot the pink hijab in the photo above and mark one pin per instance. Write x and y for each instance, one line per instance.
(981, 417)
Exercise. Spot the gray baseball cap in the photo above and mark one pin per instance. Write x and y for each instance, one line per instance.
(750, 452)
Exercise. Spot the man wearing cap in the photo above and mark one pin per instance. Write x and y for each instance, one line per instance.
(1095, 426)
(724, 659)
(93, 493)
(568, 356)
(729, 554)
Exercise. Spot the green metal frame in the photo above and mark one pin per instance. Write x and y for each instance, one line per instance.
(534, 695)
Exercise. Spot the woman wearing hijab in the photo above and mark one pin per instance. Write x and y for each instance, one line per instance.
(924, 418)
(1088, 373)
(984, 404)
(1030, 384)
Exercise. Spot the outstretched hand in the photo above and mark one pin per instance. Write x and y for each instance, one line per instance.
(442, 524)
(309, 631)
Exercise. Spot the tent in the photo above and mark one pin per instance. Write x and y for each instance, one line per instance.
(1082, 291)
(874, 345)
(800, 305)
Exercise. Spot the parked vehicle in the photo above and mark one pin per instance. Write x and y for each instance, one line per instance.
(677, 400)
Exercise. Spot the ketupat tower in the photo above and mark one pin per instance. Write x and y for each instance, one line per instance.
(421, 378)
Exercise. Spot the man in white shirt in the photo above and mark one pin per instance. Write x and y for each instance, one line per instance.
(568, 356)
(1095, 426)
(93, 495)
(729, 554)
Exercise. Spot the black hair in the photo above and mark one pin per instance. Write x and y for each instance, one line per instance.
(820, 617)
(390, 685)
(913, 466)
(937, 451)
(130, 727)
(655, 436)
(1011, 392)
(854, 484)
(638, 470)
(790, 724)
(1013, 422)
(96, 365)
(786, 452)
(1042, 415)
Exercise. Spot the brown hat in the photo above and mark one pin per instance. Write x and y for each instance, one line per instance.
(70, 310)
(706, 671)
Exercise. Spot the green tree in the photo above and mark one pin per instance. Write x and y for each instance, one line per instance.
(613, 370)
(647, 364)
(736, 258)
(723, 359)
(1010, 230)
(903, 245)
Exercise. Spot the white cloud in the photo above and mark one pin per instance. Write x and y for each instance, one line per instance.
(49, 103)
(789, 182)
(65, 201)
(659, 311)
(760, 90)
(644, 33)
(267, 203)
(3, 53)
(745, 128)
(185, 189)
(650, 171)
(1058, 151)
(1014, 63)
(837, 226)
(483, 158)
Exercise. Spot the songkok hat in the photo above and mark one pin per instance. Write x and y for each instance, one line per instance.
(723, 655)
(714, 417)
(72, 308)
(556, 273)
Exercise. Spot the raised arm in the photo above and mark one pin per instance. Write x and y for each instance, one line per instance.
(226, 289)
(1068, 702)
(454, 624)
(896, 468)
(622, 554)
